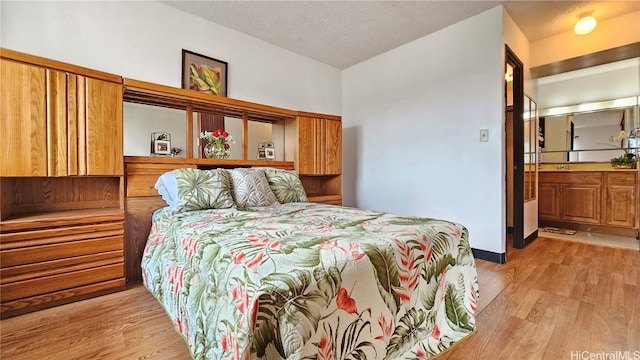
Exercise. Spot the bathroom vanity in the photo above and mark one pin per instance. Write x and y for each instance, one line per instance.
(590, 200)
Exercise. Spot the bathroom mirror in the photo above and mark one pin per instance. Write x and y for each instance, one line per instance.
(582, 133)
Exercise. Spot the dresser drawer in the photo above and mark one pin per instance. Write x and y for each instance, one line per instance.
(53, 265)
(37, 285)
(621, 178)
(61, 250)
(58, 235)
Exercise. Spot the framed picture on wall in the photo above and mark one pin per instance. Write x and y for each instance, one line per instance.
(204, 74)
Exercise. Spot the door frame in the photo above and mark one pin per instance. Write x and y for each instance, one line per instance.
(517, 146)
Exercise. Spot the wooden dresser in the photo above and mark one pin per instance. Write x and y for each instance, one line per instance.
(64, 231)
(61, 183)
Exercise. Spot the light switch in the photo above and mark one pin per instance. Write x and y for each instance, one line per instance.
(484, 135)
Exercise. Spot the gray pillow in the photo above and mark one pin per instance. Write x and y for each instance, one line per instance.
(250, 187)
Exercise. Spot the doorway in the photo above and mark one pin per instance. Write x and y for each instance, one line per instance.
(514, 108)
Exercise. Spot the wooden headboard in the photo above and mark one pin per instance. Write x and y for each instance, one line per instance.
(142, 199)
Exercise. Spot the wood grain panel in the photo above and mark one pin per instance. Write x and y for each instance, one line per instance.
(581, 203)
(621, 205)
(46, 284)
(33, 303)
(332, 147)
(104, 128)
(41, 194)
(22, 119)
(306, 146)
(72, 125)
(571, 177)
(53, 235)
(59, 250)
(137, 227)
(548, 201)
(57, 156)
(61, 222)
(621, 178)
(7, 196)
(59, 266)
(81, 119)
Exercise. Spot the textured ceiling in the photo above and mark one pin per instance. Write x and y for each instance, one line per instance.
(344, 33)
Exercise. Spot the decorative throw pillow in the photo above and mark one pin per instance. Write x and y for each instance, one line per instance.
(203, 189)
(286, 185)
(250, 187)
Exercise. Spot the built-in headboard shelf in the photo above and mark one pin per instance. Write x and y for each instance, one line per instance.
(142, 198)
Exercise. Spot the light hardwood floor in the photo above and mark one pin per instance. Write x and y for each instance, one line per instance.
(553, 300)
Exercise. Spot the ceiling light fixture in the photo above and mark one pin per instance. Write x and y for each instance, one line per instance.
(585, 24)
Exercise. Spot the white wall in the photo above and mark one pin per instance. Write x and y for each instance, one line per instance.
(143, 40)
(411, 121)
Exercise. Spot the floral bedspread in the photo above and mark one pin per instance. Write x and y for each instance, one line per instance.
(312, 281)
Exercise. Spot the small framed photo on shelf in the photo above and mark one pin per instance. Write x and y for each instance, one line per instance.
(162, 147)
(270, 153)
(266, 151)
(160, 143)
(204, 74)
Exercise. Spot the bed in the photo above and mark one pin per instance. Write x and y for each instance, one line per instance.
(299, 280)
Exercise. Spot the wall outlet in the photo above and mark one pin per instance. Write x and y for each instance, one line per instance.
(484, 135)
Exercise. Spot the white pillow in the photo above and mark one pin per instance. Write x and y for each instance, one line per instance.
(168, 188)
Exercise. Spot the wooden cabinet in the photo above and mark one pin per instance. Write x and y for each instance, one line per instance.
(23, 116)
(621, 199)
(548, 201)
(61, 183)
(61, 123)
(580, 202)
(61, 240)
(319, 146)
(602, 201)
(570, 196)
(317, 155)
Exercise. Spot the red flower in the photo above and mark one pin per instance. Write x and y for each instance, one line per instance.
(326, 349)
(239, 258)
(421, 354)
(346, 303)
(436, 333)
(355, 252)
(387, 328)
(329, 245)
(257, 241)
(254, 314)
(257, 260)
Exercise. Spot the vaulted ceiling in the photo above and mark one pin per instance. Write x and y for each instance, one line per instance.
(344, 33)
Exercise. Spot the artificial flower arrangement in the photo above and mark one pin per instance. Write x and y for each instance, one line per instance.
(217, 143)
(627, 160)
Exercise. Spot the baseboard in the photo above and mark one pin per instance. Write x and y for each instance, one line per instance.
(498, 258)
(529, 239)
